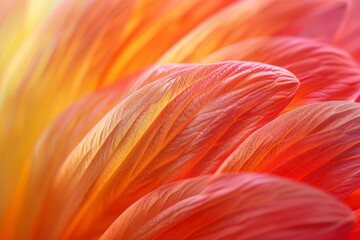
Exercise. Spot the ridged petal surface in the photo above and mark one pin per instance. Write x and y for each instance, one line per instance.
(325, 72)
(245, 206)
(180, 126)
(317, 143)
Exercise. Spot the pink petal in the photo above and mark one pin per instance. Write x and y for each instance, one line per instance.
(246, 207)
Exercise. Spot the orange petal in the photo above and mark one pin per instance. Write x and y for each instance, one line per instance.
(353, 200)
(317, 143)
(246, 206)
(74, 49)
(325, 72)
(70, 128)
(59, 62)
(248, 19)
(153, 27)
(166, 131)
(348, 35)
(73, 124)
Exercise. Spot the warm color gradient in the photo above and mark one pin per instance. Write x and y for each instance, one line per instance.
(233, 206)
(167, 128)
(100, 139)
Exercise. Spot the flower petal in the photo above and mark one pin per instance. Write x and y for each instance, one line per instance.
(355, 235)
(248, 19)
(317, 143)
(72, 53)
(164, 132)
(348, 35)
(353, 200)
(58, 63)
(325, 72)
(247, 207)
(69, 129)
(150, 19)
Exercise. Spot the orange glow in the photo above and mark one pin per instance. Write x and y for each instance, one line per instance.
(180, 119)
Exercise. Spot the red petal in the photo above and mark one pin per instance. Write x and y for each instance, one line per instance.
(348, 35)
(246, 207)
(355, 235)
(317, 143)
(325, 72)
(353, 200)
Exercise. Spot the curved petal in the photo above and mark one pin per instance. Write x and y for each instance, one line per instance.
(73, 124)
(73, 52)
(348, 35)
(164, 132)
(248, 19)
(325, 72)
(69, 129)
(317, 143)
(246, 207)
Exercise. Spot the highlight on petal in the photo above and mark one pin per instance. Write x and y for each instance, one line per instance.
(248, 19)
(74, 51)
(325, 72)
(318, 144)
(70, 128)
(182, 125)
(18, 19)
(58, 63)
(353, 200)
(348, 35)
(245, 206)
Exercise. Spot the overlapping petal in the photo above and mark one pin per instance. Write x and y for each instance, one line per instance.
(247, 206)
(164, 124)
(317, 143)
(56, 64)
(170, 19)
(348, 35)
(249, 19)
(80, 46)
(325, 72)
(69, 129)
(161, 133)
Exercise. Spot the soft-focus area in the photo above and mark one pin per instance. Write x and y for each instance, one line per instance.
(180, 119)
